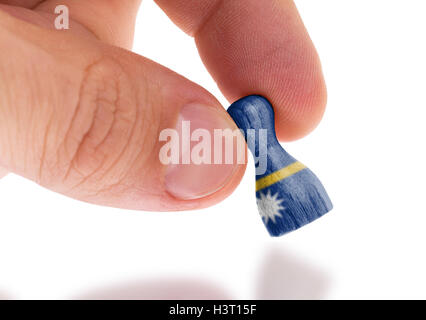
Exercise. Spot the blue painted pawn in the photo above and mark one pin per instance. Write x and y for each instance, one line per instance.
(288, 194)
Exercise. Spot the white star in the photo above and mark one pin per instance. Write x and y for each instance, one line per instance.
(269, 206)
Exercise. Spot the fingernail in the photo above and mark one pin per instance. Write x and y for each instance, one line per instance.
(189, 179)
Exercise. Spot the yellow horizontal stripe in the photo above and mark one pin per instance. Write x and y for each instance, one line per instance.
(279, 175)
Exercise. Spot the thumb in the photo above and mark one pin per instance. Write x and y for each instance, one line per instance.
(84, 119)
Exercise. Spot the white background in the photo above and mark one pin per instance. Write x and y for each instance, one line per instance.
(369, 151)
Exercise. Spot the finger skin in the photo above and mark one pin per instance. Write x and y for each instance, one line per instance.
(111, 21)
(23, 3)
(87, 125)
(3, 172)
(258, 47)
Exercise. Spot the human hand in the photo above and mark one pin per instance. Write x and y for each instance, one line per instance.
(81, 115)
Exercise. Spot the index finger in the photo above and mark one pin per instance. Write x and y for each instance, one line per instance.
(258, 47)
